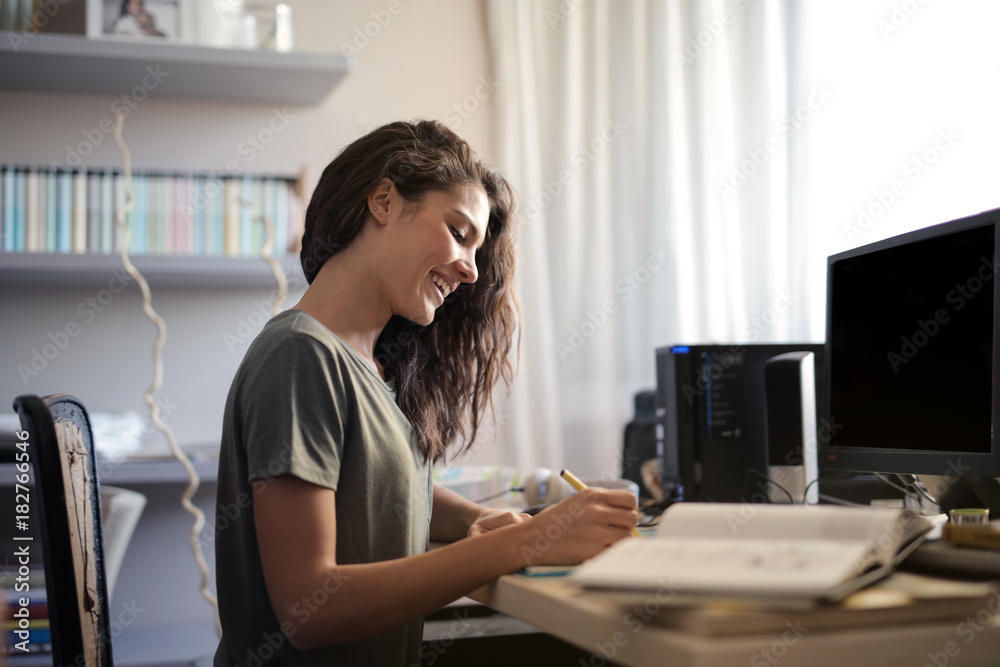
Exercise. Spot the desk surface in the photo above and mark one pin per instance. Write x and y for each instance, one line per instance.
(560, 608)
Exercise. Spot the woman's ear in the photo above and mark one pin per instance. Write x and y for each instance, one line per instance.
(380, 200)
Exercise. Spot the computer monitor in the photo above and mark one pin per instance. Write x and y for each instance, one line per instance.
(911, 356)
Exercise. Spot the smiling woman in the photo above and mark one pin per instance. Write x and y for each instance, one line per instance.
(343, 403)
(404, 200)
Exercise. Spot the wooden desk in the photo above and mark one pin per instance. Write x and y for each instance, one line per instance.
(558, 607)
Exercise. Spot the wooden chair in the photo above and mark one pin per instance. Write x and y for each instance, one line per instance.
(68, 500)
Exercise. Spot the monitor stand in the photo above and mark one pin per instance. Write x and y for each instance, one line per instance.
(972, 492)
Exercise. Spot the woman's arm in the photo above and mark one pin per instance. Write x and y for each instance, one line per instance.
(320, 602)
(454, 517)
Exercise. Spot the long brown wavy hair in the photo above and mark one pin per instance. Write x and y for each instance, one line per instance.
(444, 372)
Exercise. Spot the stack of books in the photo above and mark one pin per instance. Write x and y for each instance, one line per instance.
(727, 569)
(62, 211)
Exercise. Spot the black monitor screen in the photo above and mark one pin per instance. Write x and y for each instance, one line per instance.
(911, 344)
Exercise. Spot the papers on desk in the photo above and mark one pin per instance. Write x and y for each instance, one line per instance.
(789, 553)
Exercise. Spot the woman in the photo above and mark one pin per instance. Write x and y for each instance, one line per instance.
(343, 403)
(134, 20)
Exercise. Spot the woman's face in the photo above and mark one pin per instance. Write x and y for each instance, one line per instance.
(434, 249)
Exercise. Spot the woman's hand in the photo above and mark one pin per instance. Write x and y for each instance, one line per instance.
(579, 527)
(491, 519)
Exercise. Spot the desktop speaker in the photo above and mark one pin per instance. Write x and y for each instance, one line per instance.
(790, 404)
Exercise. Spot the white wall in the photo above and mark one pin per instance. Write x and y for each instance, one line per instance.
(422, 60)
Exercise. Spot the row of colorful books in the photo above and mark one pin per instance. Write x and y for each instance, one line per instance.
(62, 211)
(38, 639)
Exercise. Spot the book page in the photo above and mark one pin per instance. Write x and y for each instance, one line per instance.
(748, 521)
(807, 568)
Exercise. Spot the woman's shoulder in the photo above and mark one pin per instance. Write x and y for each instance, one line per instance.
(298, 329)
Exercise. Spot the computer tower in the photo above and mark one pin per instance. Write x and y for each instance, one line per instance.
(712, 419)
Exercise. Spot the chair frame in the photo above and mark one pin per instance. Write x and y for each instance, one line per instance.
(67, 601)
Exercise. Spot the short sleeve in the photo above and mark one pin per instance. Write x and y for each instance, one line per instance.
(293, 412)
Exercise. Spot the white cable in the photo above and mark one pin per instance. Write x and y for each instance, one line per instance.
(154, 409)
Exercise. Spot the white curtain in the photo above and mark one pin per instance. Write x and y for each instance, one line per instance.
(653, 146)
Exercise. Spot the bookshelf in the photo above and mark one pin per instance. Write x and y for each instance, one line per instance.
(74, 64)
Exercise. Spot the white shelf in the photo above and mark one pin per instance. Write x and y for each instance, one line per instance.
(75, 64)
(138, 471)
(26, 268)
(156, 471)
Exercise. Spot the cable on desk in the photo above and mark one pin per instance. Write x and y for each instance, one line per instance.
(771, 481)
(154, 409)
(497, 495)
(805, 494)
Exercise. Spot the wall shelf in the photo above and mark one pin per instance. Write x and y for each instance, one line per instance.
(135, 472)
(26, 268)
(74, 64)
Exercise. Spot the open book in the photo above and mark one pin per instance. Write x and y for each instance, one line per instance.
(760, 551)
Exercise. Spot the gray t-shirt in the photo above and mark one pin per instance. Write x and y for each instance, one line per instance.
(305, 403)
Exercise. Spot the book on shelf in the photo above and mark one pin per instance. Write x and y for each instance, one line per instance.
(75, 211)
(789, 553)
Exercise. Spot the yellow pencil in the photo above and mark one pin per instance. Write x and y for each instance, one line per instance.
(575, 482)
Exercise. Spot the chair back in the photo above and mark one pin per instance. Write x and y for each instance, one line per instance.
(61, 450)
